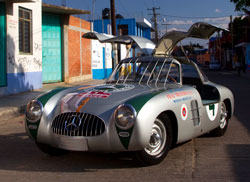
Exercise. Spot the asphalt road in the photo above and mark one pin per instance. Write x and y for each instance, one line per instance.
(205, 158)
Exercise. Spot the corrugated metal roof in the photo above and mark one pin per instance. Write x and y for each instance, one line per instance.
(62, 9)
(19, 1)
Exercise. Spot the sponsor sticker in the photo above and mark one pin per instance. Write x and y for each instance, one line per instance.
(82, 88)
(212, 111)
(182, 99)
(95, 94)
(33, 127)
(179, 94)
(184, 112)
(84, 101)
(124, 134)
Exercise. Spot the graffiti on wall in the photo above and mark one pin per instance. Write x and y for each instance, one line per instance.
(11, 59)
(37, 47)
(23, 64)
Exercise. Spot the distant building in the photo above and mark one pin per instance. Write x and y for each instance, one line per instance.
(224, 47)
(66, 56)
(245, 47)
(102, 53)
(41, 43)
(20, 46)
(202, 56)
(131, 26)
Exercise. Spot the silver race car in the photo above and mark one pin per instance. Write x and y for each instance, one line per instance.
(148, 105)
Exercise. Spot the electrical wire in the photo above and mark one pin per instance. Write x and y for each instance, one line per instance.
(192, 17)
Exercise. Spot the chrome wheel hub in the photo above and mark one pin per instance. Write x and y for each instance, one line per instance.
(223, 116)
(157, 139)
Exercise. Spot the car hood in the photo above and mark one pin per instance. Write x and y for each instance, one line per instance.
(198, 30)
(98, 99)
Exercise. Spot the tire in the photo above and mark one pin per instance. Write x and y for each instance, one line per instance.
(220, 131)
(47, 149)
(159, 144)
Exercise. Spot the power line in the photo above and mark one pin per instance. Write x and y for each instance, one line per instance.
(192, 17)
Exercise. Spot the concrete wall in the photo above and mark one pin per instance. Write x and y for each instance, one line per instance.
(101, 59)
(77, 51)
(24, 71)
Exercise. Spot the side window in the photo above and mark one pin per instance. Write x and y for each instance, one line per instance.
(174, 73)
(190, 71)
(190, 75)
(172, 70)
(25, 30)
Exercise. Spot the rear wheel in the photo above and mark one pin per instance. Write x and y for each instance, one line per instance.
(159, 143)
(51, 150)
(220, 131)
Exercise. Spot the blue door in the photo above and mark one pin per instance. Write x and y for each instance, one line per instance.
(2, 45)
(51, 48)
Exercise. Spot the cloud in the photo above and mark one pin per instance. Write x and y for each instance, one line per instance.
(217, 10)
(176, 29)
(180, 22)
(184, 25)
(218, 20)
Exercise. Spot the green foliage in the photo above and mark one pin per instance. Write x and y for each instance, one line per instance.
(242, 5)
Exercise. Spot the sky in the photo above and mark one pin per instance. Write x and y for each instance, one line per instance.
(180, 14)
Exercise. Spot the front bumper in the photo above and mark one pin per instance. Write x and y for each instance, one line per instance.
(109, 140)
(70, 143)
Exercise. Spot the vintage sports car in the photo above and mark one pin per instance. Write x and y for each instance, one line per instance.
(148, 105)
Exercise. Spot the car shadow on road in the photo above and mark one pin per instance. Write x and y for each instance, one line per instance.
(19, 153)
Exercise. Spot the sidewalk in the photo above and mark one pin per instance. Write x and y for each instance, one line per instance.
(14, 105)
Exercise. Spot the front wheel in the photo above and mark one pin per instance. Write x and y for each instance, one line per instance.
(159, 143)
(220, 131)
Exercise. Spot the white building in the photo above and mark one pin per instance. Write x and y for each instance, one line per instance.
(20, 48)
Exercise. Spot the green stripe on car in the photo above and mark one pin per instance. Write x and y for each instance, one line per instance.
(44, 98)
(137, 103)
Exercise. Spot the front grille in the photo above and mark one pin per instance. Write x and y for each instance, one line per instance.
(77, 124)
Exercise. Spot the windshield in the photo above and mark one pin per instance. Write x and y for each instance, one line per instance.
(147, 71)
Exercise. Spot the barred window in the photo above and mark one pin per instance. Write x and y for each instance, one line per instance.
(25, 30)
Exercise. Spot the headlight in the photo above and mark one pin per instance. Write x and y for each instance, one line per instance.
(125, 116)
(34, 110)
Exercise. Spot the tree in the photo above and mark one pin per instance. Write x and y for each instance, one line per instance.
(242, 5)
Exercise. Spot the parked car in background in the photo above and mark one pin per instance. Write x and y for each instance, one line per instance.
(148, 105)
(214, 65)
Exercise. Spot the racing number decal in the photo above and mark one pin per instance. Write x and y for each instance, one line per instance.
(212, 110)
(184, 112)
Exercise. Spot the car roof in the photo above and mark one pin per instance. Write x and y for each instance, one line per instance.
(181, 60)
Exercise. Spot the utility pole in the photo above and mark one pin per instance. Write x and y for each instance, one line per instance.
(232, 34)
(232, 38)
(112, 7)
(93, 14)
(113, 25)
(63, 2)
(154, 19)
